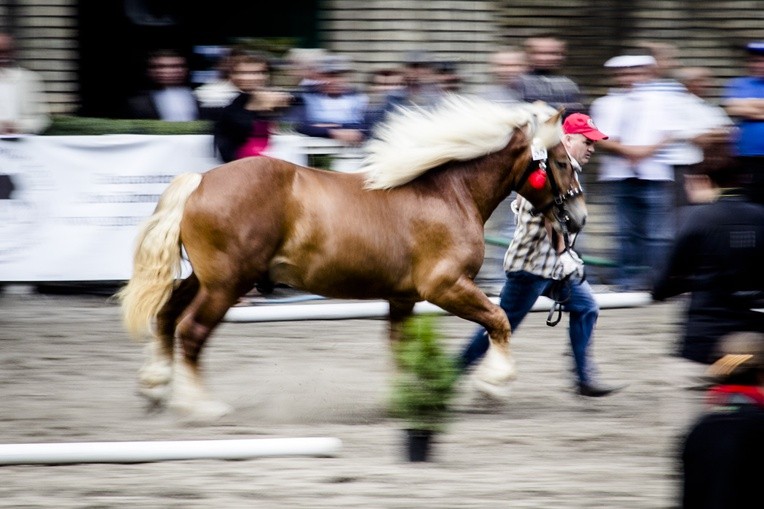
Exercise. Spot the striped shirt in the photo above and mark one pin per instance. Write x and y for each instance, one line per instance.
(530, 249)
(648, 114)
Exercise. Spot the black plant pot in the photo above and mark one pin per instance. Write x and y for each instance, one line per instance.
(419, 444)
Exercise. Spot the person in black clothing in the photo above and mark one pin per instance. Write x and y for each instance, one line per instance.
(243, 128)
(168, 95)
(721, 455)
(717, 258)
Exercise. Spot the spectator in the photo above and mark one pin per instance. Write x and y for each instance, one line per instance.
(507, 66)
(716, 258)
(303, 67)
(244, 126)
(447, 75)
(539, 262)
(168, 96)
(23, 105)
(644, 122)
(543, 82)
(666, 57)
(217, 94)
(744, 101)
(382, 82)
(710, 119)
(722, 453)
(698, 187)
(336, 110)
(420, 85)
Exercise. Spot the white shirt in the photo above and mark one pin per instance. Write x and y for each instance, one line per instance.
(22, 100)
(341, 109)
(648, 114)
(216, 94)
(176, 104)
(705, 117)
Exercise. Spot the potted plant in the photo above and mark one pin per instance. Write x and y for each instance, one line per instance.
(423, 386)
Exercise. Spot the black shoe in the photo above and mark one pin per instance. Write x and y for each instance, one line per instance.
(597, 389)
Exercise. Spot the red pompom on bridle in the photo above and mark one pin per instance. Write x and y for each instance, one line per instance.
(537, 179)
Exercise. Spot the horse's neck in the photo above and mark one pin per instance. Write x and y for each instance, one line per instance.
(490, 180)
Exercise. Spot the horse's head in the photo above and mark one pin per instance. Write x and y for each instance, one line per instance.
(549, 179)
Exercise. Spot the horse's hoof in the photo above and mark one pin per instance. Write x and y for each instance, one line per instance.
(496, 368)
(200, 412)
(155, 374)
(156, 395)
(494, 392)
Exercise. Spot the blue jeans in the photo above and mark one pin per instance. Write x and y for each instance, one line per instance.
(520, 291)
(644, 212)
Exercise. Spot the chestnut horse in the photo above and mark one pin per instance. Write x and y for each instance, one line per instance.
(408, 228)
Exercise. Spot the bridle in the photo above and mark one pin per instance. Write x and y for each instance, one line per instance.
(540, 162)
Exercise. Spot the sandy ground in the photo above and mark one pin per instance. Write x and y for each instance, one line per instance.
(68, 374)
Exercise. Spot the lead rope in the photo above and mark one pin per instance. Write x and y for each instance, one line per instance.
(557, 293)
(550, 320)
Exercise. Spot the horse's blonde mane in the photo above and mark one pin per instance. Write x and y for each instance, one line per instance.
(414, 140)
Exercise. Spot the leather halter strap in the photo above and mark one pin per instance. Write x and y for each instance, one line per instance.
(532, 166)
(559, 197)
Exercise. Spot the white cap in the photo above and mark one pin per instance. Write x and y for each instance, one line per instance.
(630, 61)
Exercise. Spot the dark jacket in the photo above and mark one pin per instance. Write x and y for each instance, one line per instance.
(718, 256)
(236, 124)
(721, 459)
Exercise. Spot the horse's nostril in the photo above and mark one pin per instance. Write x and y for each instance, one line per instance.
(583, 222)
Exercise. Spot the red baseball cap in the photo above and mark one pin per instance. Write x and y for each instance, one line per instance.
(578, 123)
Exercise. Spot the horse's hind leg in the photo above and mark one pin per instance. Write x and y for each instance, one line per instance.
(156, 374)
(189, 395)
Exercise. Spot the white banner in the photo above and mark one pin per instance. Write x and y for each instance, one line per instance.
(76, 201)
(70, 205)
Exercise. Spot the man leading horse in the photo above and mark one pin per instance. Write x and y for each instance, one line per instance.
(539, 261)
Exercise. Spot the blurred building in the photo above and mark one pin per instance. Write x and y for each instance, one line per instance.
(85, 48)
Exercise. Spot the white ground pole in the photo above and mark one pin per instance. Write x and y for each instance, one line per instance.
(152, 451)
(380, 309)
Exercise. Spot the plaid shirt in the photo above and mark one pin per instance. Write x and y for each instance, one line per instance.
(530, 249)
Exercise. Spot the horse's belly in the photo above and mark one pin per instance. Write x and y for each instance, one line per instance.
(332, 278)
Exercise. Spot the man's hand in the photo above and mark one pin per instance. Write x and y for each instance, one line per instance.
(569, 265)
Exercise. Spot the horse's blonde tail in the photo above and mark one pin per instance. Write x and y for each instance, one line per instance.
(157, 259)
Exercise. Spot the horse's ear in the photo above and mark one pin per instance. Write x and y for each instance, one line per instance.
(551, 130)
(557, 117)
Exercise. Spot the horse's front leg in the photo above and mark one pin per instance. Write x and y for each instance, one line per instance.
(400, 311)
(465, 300)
